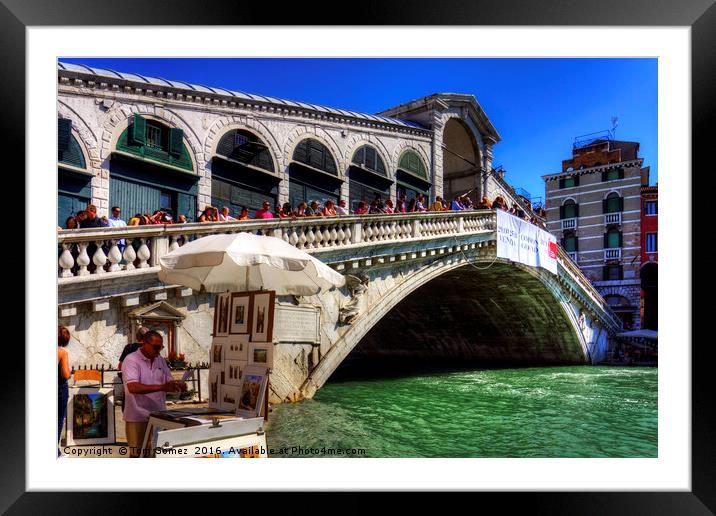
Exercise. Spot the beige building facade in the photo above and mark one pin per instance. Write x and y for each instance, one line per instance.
(594, 209)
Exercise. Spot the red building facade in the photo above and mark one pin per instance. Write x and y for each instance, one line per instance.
(649, 256)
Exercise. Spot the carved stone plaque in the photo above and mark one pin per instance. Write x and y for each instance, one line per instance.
(297, 324)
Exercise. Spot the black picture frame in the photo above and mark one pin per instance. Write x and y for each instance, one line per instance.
(700, 15)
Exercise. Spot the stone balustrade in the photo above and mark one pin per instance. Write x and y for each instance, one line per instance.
(98, 252)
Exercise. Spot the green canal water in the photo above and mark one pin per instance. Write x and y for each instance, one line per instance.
(576, 411)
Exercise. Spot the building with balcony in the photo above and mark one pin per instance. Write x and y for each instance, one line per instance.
(594, 208)
(649, 256)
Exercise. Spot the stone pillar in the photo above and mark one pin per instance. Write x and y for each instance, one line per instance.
(437, 158)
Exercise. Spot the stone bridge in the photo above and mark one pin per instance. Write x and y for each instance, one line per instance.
(424, 285)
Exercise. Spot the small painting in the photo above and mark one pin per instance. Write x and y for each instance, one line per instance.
(262, 323)
(229, 397)
(233, 372)
(253, 387)
(221, 315)
(214, 389)
(217, 353)
(237, 348)
(261, 354)
(90, 416)
(240, 313)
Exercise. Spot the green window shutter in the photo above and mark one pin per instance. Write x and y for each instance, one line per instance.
(621, 203)
(576, 210)
(561, 212)
(576, 244)
(561, 183)
(64, 133)
(176, 141)
(139, 130)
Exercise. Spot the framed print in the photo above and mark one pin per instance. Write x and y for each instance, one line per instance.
(261, 354)
(221, 315)
(232, 371)
(262, 320)
(253, 387)
(229, 397)
(90, 416)
(217, 351)
(214, 387)
(240, 319)
(236, 347)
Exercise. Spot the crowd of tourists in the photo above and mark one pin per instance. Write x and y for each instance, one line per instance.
(88, 218)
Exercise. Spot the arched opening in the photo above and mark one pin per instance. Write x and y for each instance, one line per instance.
(468, 317)
(411, 177)
(151, 169)
(242, 173)
(368, 177)
(74, 179)
(650, 296)
(621, 306)
(461, 161)
(313, 174)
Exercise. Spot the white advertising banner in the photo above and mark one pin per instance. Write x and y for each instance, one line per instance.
(521, 241)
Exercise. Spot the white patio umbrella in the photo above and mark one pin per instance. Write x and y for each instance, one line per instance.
(242, 261)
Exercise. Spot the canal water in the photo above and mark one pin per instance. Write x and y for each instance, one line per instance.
(574, 411)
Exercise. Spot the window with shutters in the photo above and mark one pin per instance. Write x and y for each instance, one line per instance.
(614, 203)
(568, 182)
(247, 148)
(369, 158)
(613, 239)
(613, 174)
(651, 243)
(650, 208)
(316, 155)
(69, 151)
(569, 209)
(152, 140)
(411, 162)
(570, 243)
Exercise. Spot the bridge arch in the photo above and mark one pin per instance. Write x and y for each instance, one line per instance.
(495, 298)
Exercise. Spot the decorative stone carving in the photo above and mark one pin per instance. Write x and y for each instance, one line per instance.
(357, 286)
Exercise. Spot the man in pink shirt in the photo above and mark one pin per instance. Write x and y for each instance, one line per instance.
(264, 212)
(147, 379)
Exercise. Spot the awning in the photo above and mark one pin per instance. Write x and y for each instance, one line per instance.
(250, 167)
(636, 334)
(322, 173)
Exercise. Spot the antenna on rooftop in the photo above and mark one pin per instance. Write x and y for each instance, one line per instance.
(615, 123)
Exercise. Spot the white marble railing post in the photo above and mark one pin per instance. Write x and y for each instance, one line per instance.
(99, 258)
(66, 261)
(114, 256)
(416, 228)
(143, 254)
(83, 259)
(129, 256)
(356, 230)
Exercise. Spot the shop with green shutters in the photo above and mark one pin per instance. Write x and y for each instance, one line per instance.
(411, 178)
(151, 169)
(313, 175)
(243, 173)
(74, 179)
(367, 177)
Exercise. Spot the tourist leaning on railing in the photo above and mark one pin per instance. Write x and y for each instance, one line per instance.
(342, 209)
(388, 207)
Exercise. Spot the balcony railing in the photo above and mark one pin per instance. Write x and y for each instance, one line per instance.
(573, 256)
(613, 218)
(120, 250)
(613, 254)
(569, 223)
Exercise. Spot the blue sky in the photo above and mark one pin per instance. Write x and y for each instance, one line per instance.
(538, 106)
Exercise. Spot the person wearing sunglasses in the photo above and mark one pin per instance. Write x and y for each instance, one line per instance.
(147, 379)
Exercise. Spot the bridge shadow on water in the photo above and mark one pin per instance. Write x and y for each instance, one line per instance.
(359, 368)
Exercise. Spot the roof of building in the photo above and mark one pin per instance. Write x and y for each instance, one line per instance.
(198, 88)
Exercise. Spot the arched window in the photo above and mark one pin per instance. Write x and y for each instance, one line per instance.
(314, 154)
(569, 209)
(412, 176)
(613, 203)
(570, 241)
(74, 181)
(368, 157)
(242, 173)
(313, 174)
(368, 177)
(411, 162)
(245, 147)
(151, 169)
